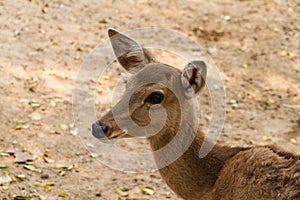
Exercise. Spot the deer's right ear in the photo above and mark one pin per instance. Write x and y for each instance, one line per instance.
(193, 77)
(128, 52)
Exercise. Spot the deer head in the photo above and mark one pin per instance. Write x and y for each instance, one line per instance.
(155, 93)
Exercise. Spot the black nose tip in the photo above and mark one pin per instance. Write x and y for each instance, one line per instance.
(99, 131)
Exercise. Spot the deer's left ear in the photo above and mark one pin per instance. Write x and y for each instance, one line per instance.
(129, 53)
(194, 76)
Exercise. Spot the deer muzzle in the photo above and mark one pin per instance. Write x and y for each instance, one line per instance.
(99, 130)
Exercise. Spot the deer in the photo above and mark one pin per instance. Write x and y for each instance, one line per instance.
(254, 172)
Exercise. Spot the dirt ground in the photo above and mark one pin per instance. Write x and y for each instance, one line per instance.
(255, 45)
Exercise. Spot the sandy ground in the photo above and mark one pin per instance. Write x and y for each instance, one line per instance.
(255, 45)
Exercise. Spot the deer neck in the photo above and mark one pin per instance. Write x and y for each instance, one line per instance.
(189, 176)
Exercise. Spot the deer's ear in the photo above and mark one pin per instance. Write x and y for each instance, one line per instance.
(193, 76)
(128, 52)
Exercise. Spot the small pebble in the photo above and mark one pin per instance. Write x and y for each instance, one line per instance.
(98, 194)
(44, 175)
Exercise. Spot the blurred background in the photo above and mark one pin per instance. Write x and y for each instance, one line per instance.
(255, 45)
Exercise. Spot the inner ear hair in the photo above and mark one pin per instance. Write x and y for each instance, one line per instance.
(194, 75)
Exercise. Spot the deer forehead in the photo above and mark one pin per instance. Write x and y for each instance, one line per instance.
(154, 73)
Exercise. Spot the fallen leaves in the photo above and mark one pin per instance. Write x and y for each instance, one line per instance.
(103, 21)
(5, 180)
(269, 100)
(245, 65)
(31, 84)
(34, 103)
(267, 138)
(47, 186)
(19, 178)
(233, 103)
(121, 193)
(63, 194)
(32, 168)
(26, 160)
(60, 28)
(64, 127)
(293, 141)
(48, 160)
(46, 157)
(266, 97)
(74, 131)
(21, 197)
(3, 166)
(125, 192)
(69, 127)
(35, 116)
(21, 125)
(44, 10)
(63, 169)
(4, 154)
(148, 191)
(53, 103)
(287, 54)
(211, 35)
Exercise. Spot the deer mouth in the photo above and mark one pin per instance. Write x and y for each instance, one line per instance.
(102, 131)
(119, 134)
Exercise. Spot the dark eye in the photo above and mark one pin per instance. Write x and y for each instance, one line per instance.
(155, 98)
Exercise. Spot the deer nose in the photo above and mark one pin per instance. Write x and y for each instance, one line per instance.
(99, 130)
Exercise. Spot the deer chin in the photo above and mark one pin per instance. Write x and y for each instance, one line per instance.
(118, 134)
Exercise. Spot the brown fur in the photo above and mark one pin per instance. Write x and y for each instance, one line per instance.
(258, 172)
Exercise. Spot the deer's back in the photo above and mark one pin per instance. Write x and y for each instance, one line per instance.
(260, 173)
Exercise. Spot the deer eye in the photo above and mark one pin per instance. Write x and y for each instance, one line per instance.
(155, 98)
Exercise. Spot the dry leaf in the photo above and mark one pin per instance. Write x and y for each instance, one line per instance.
(32, 83)
(121, 193)
(5, 186)
(270, 101)
(4, 154)
(45, 184)
(53, 103)
(47, 188)
(245, 65)
(45, 10)
(60, 28)
(32, 168)
(42, 197)
(103, 21)
(64, 127)
(19, 127)
(2, 166)
(19, 178)
(267, 138)
(293, 141)
(63, 194)
(6, 179)
(70, 167)
(74, 131)
(64, 169)
(48, 160)
(34, 103)
(148, 191)
(35, 116)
